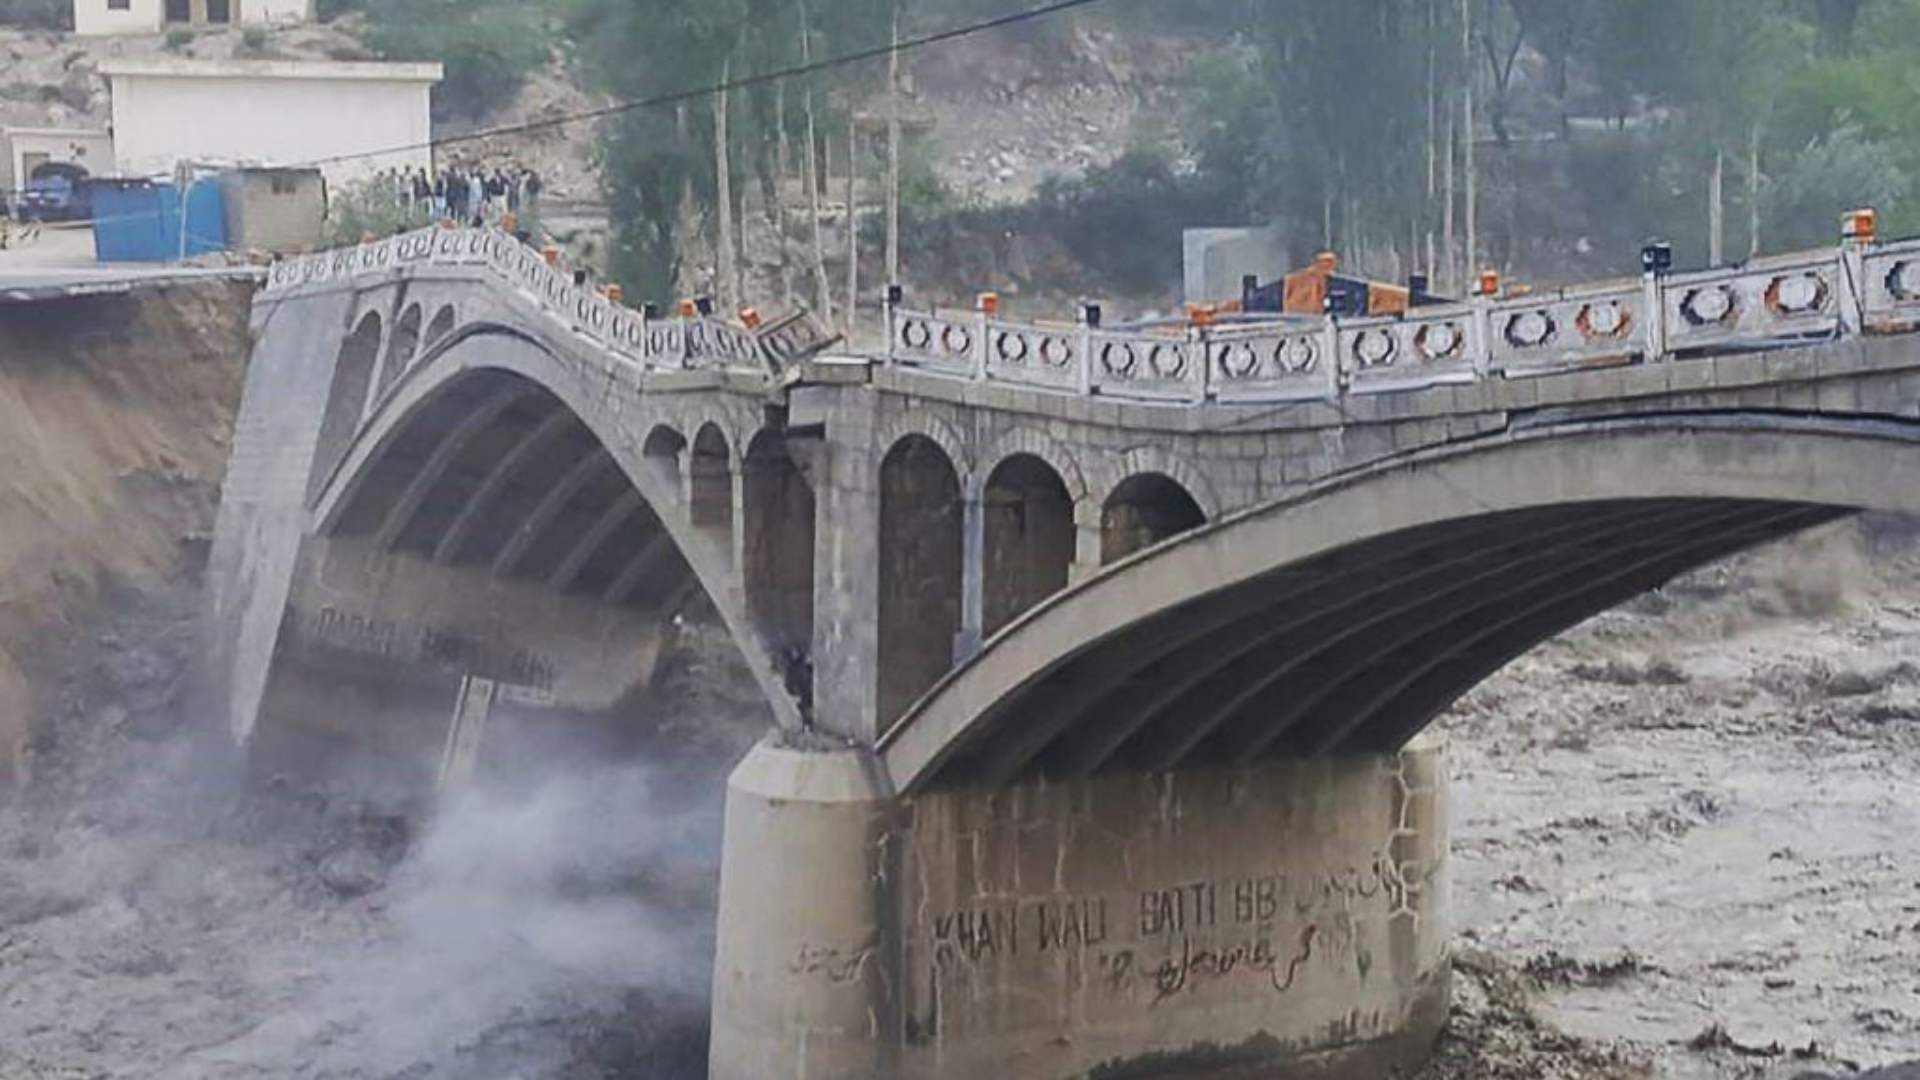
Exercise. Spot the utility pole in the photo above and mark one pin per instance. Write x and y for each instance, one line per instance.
(893, 152)
(853, 221)
(822, 291)
(1473, 186)
(729, 270)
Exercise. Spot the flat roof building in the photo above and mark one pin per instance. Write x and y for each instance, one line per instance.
(95, 17)
(352, 119)
(28, 148)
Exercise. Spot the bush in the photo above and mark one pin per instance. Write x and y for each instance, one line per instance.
(178, 39)
(368, 206)
(488, 48)
(254, 39)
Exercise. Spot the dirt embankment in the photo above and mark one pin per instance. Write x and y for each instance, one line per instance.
(115, 416)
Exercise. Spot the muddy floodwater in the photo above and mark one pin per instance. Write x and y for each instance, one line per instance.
(1687, 843)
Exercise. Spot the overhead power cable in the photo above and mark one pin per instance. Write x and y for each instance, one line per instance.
(724, 86)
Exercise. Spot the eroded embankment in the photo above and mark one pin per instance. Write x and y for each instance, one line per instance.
(115, 415)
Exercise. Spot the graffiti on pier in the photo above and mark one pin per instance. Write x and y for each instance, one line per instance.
(1155, 944)
(428, 643)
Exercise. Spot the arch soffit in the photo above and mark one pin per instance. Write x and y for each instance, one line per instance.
(511, 352)
(1674, 457)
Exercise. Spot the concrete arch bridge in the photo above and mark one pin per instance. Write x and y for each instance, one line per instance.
(1094, 659)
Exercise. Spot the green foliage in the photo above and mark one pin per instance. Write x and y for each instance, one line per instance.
(178, 39)
(254, 39)
(37, 14)
(488, 46)
(357, 210)
(1126, 218)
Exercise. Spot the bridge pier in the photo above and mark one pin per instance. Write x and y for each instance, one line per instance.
(1284, 919)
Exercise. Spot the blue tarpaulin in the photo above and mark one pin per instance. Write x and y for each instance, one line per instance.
(139, 220)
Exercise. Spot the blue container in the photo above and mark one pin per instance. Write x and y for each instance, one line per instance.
(139, 220)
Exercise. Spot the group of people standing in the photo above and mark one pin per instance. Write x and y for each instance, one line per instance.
(466, 193)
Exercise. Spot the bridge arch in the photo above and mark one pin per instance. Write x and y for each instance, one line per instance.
(1145, 509)
(579, 504)
(1029, 538)
(710, 470)
(1115, 471)
(443, 323)
(922, 568)
(1030, 441)
(938, 431)
(1347, 617)
(665, 452)
(401, 346)
(348, 399)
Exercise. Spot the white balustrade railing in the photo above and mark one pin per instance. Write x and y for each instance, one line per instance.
(669, 343)
(1767, 302)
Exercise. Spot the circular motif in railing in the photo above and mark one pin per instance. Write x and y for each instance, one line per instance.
(656, 342)
(1168, 361)
(1296, 356)
(1439, 341)
(1011, 347)
(1903, 281)
(955, 339)
(1708, 304)
(1237, 360)
(1529, 329)
(1796, 294)
(1055, 352)
(1375, 348)
(1117, 358)
(1603, 319)
(916, 334)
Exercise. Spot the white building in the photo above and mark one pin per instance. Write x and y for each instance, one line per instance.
(349, 119)
(28, 148)
(153, 16)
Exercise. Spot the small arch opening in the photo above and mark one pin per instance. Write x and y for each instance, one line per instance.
(663, 452)
(442, 324)
(777, 550)
(347, 399)
(710, 492)
(1029, 538)
(400, 348)
(1146, 509)
(921, 560)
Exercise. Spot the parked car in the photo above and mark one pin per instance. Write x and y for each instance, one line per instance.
(56, 192)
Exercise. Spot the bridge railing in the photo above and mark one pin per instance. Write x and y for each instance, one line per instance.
(1768, 302)
(676, 342)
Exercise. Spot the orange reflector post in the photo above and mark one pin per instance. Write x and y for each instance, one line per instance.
(1860, 225)
(615, 293)
(1200, 314)
(750, 318)
(989, 303)
(1489, 283)
(688, 310)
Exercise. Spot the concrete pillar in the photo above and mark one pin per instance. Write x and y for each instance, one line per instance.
(1250, 921)
(846, 586)
(803, 985)
(1087, 516)
(973, 574)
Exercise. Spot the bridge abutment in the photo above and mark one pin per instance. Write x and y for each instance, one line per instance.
(1285, 919)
